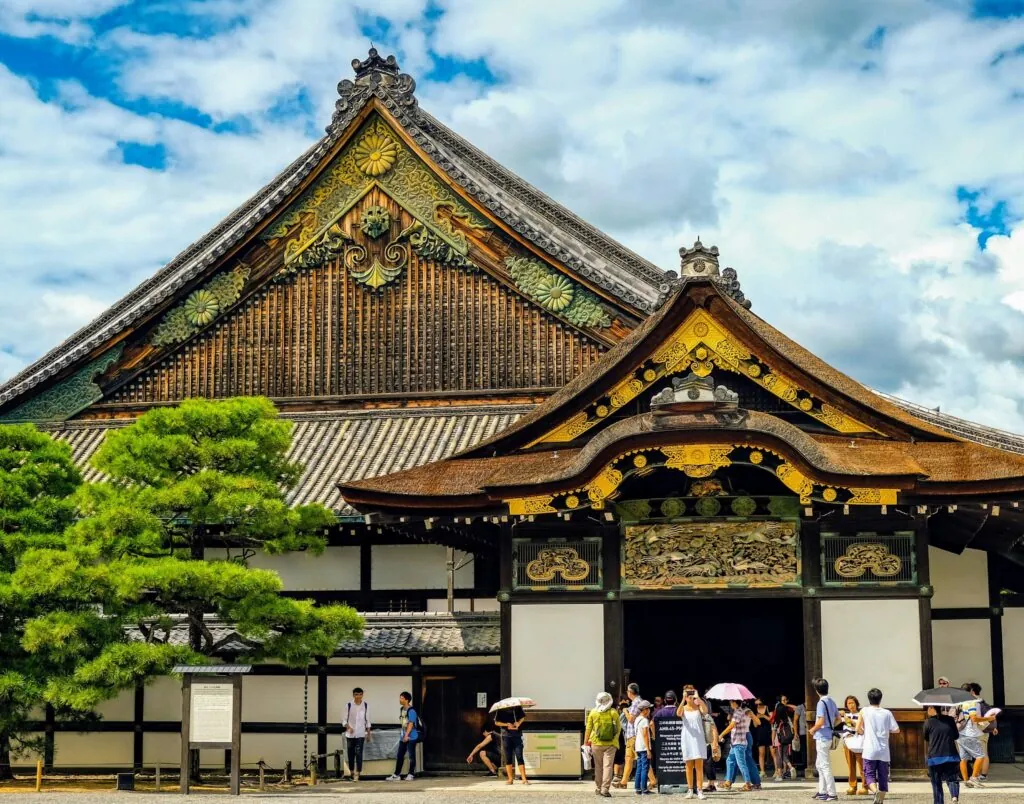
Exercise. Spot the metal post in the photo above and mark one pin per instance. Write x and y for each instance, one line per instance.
(39, 775)
(312, 773)
(158, 777)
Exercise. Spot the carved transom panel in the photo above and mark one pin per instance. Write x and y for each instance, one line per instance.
(868, 558)
(711, 554)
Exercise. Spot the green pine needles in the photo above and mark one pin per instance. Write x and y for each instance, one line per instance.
(104, 585)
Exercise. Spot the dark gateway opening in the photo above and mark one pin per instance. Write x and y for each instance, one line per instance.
(753, 641)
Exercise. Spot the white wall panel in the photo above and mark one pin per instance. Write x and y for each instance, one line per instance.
(872, 643)
(335, 568)
(98, 748)
(962, 650)
(162, 747)
(277, 699)
(120, 708)
(464, 604)
(380, 693)
(558, 653)
(163, 699)
(960, 581)
(416, 566)
(276, 749)
(1013, 655)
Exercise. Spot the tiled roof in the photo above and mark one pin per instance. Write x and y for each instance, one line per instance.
(428, 633)
(405, 634)
(347, 445)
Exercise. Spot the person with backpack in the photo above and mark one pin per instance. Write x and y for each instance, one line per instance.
(825, 738)
(602, 735)
(411, 731)
(783, 721)
(357, 728)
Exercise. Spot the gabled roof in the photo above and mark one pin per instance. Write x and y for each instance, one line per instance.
(551, 228)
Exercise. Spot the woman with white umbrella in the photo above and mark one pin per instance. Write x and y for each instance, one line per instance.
(509, 716)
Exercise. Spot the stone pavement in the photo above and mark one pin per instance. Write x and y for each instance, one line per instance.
(1005, 786)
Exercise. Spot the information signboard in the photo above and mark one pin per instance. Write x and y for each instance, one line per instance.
(553, 753)
(212, 707)
(668, 753)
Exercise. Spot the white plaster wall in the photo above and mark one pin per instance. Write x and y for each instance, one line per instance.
(335, 568)
(558, 653)
(163, 748)
(1013, 655)
(962, 651)
(960, 581)
(276, 749)
(416, 566)
(377, 767)
(457, 660)
(277, 699)
(99, 748)
(380, 693)
(872, 643)
(120, 708)
(464, 604)
(163, 699)
(28, 760)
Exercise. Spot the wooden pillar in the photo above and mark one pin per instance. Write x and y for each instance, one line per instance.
(995, 602)
(614, 631)
(49, 737)
(137, 725)
(186, 716)
(365, 571)
(924, 581)
(504, 590)
(236, 737)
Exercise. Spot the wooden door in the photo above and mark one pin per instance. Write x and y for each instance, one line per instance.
(452, 717)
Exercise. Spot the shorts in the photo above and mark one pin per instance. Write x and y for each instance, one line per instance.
(876, 771)
(512, 746)
(620, 755)
(984, 741)
(970, 748)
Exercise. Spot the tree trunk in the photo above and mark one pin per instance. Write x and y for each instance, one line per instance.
(6, 772)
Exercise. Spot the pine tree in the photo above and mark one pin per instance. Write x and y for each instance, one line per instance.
(180, 481)
(47, 630)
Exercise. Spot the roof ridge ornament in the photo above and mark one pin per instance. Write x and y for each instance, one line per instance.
(378, 76)
(701, 262)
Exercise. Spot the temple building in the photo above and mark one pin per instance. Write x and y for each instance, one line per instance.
(622, 472)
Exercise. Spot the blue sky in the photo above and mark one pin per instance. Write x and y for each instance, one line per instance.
(858, 161)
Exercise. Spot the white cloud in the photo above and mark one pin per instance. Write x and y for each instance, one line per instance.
(67, 20)
(826, 170)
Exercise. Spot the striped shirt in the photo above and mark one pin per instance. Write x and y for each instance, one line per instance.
(741, 726)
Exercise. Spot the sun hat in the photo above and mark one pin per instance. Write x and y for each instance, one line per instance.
(603, 702)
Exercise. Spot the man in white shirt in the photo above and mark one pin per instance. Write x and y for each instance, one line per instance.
(357, 728)
(876, 724)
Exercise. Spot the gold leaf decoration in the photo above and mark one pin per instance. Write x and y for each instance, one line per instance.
(201, 308)
(375, 154)
(859, 558)
(377, 274)
(552, 561)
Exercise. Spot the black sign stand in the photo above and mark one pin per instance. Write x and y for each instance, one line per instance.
(223, 673)
(669, 765)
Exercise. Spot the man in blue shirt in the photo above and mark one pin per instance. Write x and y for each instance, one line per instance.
(827, 713)
(410, 736)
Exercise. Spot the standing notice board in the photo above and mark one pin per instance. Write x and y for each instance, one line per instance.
(669, 764)
(553, 753)
(212, 705)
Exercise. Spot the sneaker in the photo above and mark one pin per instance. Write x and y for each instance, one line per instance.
(972, 782)
(410, 778)
(355, 777)
(831, 798)
(982, 777)
(606, 794)
(700, 794)
(690, 794)
(394, 777)
(818, 797)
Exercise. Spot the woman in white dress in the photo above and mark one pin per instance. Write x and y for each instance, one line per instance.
(695, 746)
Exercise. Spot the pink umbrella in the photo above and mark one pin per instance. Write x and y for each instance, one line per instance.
(727, 691)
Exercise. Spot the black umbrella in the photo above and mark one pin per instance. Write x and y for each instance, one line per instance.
(943, 696)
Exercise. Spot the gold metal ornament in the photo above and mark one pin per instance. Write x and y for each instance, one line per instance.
(859, 558)
(562, 561)
(375, 154)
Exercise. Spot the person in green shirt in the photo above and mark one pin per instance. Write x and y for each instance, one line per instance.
(602, 735)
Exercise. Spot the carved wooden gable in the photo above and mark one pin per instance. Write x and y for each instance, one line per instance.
(378, 279)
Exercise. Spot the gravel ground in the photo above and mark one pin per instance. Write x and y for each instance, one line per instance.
(1005, 787)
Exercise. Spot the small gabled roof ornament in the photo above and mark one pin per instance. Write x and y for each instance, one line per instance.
(693, 394)
(374, 76)
(701, 262)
